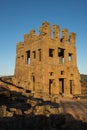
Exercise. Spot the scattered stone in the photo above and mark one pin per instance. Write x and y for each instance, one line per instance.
(32, 102)
(9, 114)
(12, 109)
(18, 112)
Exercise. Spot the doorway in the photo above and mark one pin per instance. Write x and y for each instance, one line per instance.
(61, 85)
(71, 84)
(50, 86)
(33, 80)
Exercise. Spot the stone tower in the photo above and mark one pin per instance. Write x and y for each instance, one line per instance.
(47, 64)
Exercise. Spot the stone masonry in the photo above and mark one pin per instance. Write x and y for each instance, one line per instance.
(46, 64)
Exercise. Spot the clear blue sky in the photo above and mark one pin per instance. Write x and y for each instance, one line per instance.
(18, 17)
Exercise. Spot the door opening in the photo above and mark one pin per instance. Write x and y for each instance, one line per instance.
(50, 86)
(71, 84)
(33, 80)
(61, 85)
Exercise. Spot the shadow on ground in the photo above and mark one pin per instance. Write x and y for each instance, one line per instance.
(41, 122)
(19, 112)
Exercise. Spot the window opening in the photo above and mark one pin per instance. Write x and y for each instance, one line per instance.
(62, 72)
(61, 85)
(34, 54)
(70, 57)
(51, 73)
(71, 85)
(22, 57)
(71, 74)
(51, 52)
(33, 80)
(60, 56)
(28, 57)
(50, 86)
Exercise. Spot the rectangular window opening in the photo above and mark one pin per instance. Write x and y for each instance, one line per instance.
(61, 85)
(70, 57)
(71, 86)
(51, 52)
(51, 73)
(71, 75)
(51, 81)
(60, 56)
(28, 57)
(62, 72)
(34, 54)
(33, 79)
(22, 57)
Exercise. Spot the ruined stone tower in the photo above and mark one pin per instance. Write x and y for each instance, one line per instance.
(47, 64)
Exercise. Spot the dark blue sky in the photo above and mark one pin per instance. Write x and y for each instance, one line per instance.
(18, 17)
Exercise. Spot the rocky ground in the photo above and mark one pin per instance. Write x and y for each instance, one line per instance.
(19, 112)
(22, 111)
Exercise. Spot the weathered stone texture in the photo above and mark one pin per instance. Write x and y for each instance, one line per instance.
(47, 64)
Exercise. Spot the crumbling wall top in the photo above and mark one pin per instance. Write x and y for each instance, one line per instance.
(45, 29)
(72, 38)
(31, 36)
(20, 45)
(56, 28)
(32, 32)
(56, 31)
(45, 32)
(64, 35)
